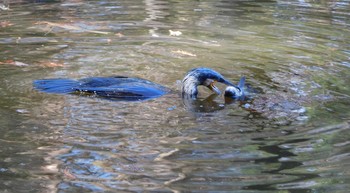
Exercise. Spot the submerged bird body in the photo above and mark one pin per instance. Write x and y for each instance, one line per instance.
(114, 88)
(131, 89)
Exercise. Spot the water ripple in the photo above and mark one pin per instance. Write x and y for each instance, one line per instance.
(290, 136)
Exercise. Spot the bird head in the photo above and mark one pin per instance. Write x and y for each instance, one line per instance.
(236, 92)
(202, 76)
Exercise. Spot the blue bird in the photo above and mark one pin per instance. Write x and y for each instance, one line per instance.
(131, 89)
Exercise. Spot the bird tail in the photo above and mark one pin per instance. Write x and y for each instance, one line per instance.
(59, 86)
(241, 83)
(241, 87)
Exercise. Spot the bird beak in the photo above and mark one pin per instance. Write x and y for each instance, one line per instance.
(213, 88)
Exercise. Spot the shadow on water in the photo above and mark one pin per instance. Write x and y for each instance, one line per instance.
(291, 136)
(285, 165)
(203, 105)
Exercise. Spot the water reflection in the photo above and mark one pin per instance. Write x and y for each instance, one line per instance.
(156, 11)
(202, 105)
(295, 53)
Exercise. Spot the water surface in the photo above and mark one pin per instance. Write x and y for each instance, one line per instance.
(295, 55)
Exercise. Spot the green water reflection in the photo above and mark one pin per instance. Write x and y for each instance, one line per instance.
(295, 55)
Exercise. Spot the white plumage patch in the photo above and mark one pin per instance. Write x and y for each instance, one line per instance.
(189, 85)
(233, 91)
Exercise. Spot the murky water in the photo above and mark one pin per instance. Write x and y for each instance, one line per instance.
(292, 137)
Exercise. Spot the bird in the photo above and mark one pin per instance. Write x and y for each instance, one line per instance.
(123, 88)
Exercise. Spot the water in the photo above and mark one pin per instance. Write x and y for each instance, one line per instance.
(295, 55)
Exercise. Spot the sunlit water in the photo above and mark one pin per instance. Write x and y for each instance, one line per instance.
(290, 51)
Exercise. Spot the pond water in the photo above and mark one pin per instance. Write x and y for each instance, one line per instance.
(293, 136)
